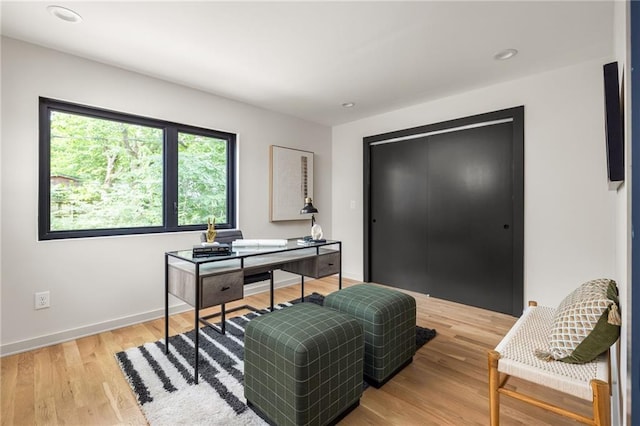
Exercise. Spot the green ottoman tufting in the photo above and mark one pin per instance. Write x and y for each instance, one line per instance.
(303, 365)
(388, 318)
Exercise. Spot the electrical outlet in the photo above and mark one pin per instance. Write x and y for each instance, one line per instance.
(42, 300)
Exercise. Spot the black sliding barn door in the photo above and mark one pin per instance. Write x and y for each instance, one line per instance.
(398, 215)
(441, 216)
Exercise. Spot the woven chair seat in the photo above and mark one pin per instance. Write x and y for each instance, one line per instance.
(517, 357)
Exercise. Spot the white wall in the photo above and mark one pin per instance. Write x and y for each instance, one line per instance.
(570, 230)
(103, 283)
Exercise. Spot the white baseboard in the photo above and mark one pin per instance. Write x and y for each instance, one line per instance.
(88, 330)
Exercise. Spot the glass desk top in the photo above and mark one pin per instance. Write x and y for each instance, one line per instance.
(249, 251)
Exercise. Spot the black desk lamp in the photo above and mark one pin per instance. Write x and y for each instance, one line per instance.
(308, 208)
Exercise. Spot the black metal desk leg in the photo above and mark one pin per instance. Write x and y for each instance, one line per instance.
(223, 317)
(196, 328)
(271, 290)
(301, 288)
(340, 266)
(166, 304)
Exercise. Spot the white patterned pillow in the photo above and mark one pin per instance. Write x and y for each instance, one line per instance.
(586, 323)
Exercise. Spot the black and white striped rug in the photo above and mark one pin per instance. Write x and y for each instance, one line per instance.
(164, 385)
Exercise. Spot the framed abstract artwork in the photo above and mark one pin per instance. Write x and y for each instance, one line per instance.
(291, 181)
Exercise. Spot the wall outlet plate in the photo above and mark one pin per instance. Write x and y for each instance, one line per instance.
(42, 300)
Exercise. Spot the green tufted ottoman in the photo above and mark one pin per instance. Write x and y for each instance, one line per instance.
(303, 365)
(388, 318)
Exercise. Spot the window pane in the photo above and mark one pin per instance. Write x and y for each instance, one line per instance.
(108, 173)
(202, 179)
(104, 174)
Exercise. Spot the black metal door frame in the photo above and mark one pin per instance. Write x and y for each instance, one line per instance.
(515, 114)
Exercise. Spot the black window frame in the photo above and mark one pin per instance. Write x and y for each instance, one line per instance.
(170, 171)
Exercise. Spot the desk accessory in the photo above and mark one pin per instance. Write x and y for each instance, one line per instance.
(259, 243)
(209, 250)
(308, 240)
(309, 208)
(211, 230)
(316, 230)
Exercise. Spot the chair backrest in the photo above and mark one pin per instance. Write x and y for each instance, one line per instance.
(228, 235)
(224, 235)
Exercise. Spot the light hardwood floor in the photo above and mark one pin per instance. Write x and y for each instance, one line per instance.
(80, 383)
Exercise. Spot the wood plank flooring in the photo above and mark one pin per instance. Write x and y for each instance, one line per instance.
(79, 382)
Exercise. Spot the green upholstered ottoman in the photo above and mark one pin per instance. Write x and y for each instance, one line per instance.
(303, 365)
(388, 318)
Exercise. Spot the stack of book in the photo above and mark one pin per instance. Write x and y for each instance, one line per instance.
(209, 250)
(307, 241)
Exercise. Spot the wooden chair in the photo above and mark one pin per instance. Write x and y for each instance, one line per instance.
(515, 356)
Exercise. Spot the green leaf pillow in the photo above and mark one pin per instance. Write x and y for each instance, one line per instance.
(586, 323)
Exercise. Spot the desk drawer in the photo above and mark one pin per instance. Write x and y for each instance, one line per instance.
(328, 264)
(223, 288)
(316, 267)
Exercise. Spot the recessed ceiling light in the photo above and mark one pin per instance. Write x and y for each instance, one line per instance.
(505, 54)
(349, 104)
(65, 14)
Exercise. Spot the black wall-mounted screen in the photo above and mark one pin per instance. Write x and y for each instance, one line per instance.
(613, 121)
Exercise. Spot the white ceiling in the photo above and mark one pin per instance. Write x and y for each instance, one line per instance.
(307, 58)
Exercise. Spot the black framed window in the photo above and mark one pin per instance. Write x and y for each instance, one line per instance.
(108, 173)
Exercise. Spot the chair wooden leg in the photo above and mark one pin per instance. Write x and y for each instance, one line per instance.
(494, 396)
(601, 403)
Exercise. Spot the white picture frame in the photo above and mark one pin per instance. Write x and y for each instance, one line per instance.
(291, 180)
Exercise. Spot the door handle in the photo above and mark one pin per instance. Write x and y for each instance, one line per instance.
(225, 288)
